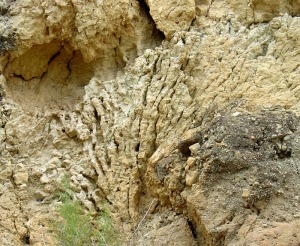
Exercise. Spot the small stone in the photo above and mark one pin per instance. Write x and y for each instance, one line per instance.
(238, 154)
(57, 154)
(275, 24)
(22, 186)
(89, 205)
(20, 167)
(246, 193)
(71, 131)
(191, 161)
(53, 163)
(284, 147)
(66, 163)
(236, 114)
(44, 179)
(297, 216)
(194, 149)
(49, 188)
(5, 173)
(20, 178)
(41, 195)
(280, 192)
(191, 177)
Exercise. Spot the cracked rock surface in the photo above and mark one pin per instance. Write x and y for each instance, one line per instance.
(181, 116)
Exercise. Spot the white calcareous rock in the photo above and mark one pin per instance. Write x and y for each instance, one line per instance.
(20, 177)
(162, 112)
(191, 177)
(171, 16)
(194, 149)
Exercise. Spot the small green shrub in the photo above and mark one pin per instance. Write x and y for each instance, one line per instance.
(76, 227)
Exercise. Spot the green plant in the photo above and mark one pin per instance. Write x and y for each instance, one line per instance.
(105, 234)
(76, 227)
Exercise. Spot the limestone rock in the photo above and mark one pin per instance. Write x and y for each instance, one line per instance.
(246, 193)
(20, 178)
(172, 16)
(194, 135)
(191, 177)
(253, 11)
(20, 175)
(194, 149)
(181, 235)
(44, 179)
(191, 161)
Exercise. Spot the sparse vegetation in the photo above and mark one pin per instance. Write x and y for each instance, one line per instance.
(76, 226)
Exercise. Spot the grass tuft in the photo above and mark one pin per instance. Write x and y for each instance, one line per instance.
(76, 226)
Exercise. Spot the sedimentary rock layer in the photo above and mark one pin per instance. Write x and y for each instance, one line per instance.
(180, 117)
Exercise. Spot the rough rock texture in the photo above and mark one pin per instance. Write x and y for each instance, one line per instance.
(176, 233)
(172, 16)
(195, 135)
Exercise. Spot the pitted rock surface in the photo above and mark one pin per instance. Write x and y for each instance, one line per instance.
(180, 116)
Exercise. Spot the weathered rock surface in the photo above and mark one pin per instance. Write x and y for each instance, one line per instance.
(172, 16)
(177, 233)
(195, 135)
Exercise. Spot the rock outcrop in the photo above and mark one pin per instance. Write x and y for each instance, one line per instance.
(181, 116)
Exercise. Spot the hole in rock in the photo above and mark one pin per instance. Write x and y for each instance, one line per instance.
(26, 239)
(48, 75)
(137, 148)
(40, 199)
(193, 228)
(146, 11)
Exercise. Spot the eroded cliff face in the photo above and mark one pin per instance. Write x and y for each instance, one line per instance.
(181, 116)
